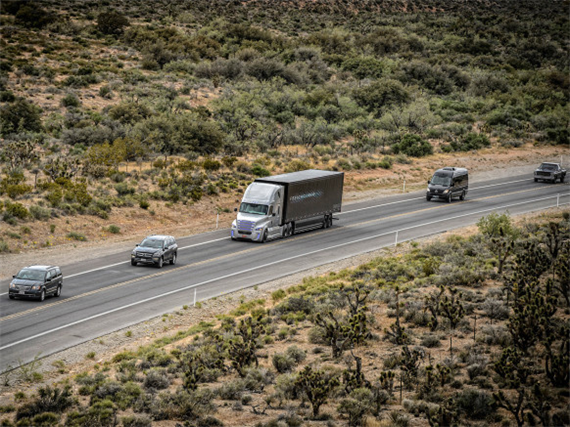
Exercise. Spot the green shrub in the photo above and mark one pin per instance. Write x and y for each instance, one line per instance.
(278, 295)
(136, 421)
(76, 236)
(471, 141)
(123, 189)
(144, 203)
(70, 100)
(413, 145)
(260, 171)
(16, 210)
(114, 229)
(475, 404)
(211, 164)
(282, 363)
(40, 213)
(112, 23)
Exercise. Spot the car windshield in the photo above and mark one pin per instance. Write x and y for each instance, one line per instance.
(253, 208)
(547, 167)
(152, 243)
(28, 274)
(441, 180)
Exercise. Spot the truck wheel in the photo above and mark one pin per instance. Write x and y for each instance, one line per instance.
(173, 260)
(562, 178)
(462, 197)
(11, 296)
(134, 263)
(264, 238)
(535, 179)
(428, 198)
(330, 221)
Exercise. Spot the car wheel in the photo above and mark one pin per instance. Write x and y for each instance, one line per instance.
(562, 178)
(160, 262)
(535, 179)
(134, 263)
(11, 296)
(449, 198)
(264, 238)
(462, 197)
(57, 291)
(428, 198)
(43, 295)
(173, 260)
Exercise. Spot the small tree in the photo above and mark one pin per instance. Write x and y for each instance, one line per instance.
(317, 386)
(242, 349)
(340, 333)
(396, 331)
(451, 307)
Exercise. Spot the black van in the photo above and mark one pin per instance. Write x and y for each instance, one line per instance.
(448, 183)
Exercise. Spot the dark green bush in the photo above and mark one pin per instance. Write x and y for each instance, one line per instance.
(382, 93)
(112, 23)
(20, 115)
(471, 141)
(413, 145)
(70, 100)
(475, 404)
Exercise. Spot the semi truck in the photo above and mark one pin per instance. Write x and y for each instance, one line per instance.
(282, 205)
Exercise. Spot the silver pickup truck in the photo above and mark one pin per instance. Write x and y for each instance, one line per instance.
(549, 172)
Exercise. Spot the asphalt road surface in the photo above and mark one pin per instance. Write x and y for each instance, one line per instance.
(107, 293)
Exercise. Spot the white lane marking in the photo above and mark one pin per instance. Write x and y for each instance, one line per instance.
(227, 276)
(423, 197)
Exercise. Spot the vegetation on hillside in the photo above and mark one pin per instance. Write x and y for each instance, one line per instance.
(437, 336)
(235, 90)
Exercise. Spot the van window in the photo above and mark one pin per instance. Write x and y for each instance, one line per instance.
(444, 180)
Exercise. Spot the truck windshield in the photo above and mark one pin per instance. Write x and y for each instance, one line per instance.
(547, 167)
(441, 180)
(253, 208)
(31, 275)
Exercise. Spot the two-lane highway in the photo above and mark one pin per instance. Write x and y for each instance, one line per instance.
(105, 294)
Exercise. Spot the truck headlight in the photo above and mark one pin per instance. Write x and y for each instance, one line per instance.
(259, 228)
(12, 285)
(446, 191)
(234, 224)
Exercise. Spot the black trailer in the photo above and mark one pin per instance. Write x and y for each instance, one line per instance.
(309, 196)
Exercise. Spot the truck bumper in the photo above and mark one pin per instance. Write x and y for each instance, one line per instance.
(255, 236)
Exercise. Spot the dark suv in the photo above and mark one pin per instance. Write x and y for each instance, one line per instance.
(36, 281)
(155, 250)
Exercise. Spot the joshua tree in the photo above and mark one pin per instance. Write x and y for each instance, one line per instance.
(317, 386)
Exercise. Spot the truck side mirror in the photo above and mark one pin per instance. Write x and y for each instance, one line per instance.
(428, 181)
(235, 209)
(273, 214)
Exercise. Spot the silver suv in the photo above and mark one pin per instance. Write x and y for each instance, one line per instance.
(36, 281)
(156, 250)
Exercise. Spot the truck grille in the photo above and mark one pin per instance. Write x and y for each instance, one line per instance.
(543, 173)
(143, 255)
(245, 227)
